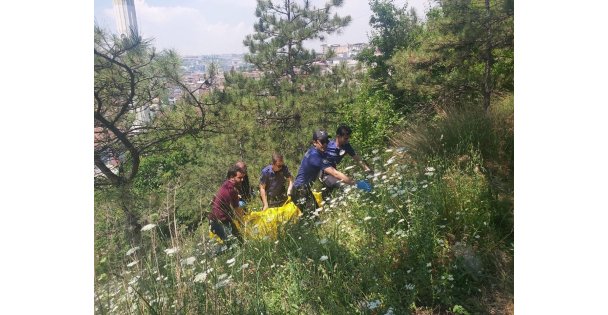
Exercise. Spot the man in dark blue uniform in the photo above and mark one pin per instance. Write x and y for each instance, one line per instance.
(336, 150)
(313, 163)
(273, 181)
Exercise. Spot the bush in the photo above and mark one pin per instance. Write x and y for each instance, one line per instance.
(371, 118)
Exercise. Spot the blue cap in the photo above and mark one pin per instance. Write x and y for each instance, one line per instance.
(320, 135)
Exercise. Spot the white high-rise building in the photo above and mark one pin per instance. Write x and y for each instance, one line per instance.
(126, 20)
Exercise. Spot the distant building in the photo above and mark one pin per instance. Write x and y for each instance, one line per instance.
(344, 51)
(126, 20)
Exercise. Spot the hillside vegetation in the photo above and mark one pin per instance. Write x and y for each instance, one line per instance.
(432, 115)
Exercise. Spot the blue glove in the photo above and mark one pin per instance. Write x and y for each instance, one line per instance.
(363, 185)
(242, 204)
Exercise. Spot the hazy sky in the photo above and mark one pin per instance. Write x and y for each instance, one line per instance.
(219, 26)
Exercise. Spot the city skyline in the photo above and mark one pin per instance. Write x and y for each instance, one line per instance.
(207, 27)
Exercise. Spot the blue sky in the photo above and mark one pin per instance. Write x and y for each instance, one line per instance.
(219, 26)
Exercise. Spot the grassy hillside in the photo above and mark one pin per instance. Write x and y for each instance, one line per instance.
(435, 236)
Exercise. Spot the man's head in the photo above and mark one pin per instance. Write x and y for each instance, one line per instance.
(235, 174)
(343, 134)
(277, 162)
(320, 139)
(242, 166)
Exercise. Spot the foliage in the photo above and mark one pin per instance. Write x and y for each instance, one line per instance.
(425, 237)
(466, 54)
(131, 79)
(276, 47)
(457, 132)
(393, 29)
(131, 120)
(436, 233)
(372, 118)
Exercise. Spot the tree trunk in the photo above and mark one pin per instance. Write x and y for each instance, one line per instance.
(487, 86)
(132, 225)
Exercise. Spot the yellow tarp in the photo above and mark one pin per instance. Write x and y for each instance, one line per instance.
(261, 224)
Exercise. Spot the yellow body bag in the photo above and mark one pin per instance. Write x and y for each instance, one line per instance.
(266, 224)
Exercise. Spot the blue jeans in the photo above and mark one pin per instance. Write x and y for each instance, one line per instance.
(304, 199)
(219, 228)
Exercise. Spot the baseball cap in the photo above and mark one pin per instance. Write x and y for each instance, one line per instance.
(320, 135)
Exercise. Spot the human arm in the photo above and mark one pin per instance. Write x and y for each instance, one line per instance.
(362, 163)
(339, 175)
(263, 196)
(290, 186)
(230, 203)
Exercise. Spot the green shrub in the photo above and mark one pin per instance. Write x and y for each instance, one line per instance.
(372, 119)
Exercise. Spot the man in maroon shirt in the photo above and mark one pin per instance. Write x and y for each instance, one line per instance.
(224, 206)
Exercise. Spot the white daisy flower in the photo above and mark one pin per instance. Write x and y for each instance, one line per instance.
(200, 277)
(390, 161)
(171, 251)
(222, 283)
(188, 261)
(133, 263)
(373, 304)
(323, 258)
(134, 280)
(132, 250)
(148, 227)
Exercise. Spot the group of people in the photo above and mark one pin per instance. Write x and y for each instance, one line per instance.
(276, 182)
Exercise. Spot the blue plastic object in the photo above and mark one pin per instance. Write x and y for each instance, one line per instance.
(242, 204)
(363, 185)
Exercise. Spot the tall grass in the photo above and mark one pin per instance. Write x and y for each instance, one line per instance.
(434, 236)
